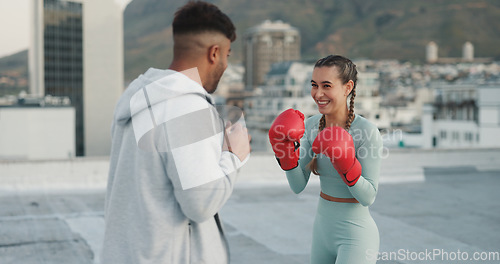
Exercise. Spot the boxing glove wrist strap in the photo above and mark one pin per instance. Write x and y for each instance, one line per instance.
(290, 162)
(353, 174)
(287, 166)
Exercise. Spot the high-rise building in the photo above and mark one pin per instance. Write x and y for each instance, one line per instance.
(77, 51)
(265, 44)
(431, 52)
(468, 51)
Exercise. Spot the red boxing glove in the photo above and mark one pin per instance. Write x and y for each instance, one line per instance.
(284, 135)
(336, 143)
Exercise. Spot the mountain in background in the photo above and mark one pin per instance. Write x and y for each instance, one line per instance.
(14, 73)
(388, 29)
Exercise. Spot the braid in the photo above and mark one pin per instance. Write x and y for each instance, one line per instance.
(350, 116)
(322, 123)
(313, 165)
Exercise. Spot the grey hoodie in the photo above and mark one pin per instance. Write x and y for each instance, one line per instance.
(168, 175)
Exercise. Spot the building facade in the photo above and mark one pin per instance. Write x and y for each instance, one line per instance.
(431, 52)
(37, 129)
(265, 44)
(287, 85)
(77, 51)
(431, 55)
(462, 116)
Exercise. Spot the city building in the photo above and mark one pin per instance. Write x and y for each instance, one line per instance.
(431, 55)
(391, 94)
(37, 128)
(468, 52)
(463, 115)
(431, 52)
(231, 90)
(287, 85)
(368, 99)
(265, 44)
(77, 51)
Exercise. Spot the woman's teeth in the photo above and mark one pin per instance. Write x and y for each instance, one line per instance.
(323, 102)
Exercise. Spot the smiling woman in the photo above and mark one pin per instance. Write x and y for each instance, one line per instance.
(342, 148)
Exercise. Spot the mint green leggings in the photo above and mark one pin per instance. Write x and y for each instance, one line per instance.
(343, 233)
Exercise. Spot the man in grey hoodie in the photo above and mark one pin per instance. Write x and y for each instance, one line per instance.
(173, 158)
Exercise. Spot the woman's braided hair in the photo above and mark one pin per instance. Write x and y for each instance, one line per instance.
(347, 71)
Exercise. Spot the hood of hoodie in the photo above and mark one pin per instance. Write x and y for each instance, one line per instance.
(153, 87)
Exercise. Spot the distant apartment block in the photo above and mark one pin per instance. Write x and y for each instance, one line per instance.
(287, 85)
(231, 90)
(37, 128)
(367, 100)
(463, 115)
(77, 51)
(267, 43)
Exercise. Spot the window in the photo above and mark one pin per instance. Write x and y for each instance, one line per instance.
(442, 134)
(468, 136)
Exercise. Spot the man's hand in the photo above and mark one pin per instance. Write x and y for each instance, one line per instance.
(237, 140)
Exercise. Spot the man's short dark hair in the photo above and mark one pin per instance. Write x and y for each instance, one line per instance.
(198, 17)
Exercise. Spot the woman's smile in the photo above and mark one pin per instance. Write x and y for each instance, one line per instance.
(322, 103)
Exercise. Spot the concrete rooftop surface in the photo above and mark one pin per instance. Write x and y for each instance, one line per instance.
(433, 206)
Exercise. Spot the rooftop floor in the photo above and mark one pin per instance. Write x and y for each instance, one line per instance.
(443, 202)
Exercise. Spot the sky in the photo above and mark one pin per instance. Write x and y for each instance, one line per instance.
(15, 25)
(14, 38)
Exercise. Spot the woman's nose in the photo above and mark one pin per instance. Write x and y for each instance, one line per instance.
(319, 93)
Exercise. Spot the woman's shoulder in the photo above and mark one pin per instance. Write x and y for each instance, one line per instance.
(360, 122)
(362, 130)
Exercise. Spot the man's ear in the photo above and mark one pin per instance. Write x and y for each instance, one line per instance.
(213, 53)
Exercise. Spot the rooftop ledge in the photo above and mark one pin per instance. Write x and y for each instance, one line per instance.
(90, 173)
